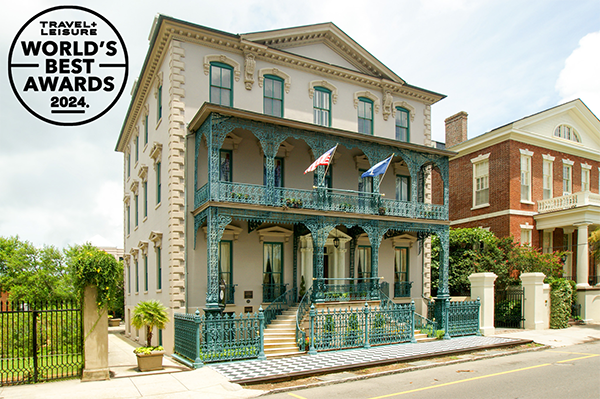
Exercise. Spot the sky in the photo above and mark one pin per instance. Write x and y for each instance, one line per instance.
(497, 60)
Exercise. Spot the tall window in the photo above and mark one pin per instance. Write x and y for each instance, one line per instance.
(401, 289)
(146, 272)
(272, 270)
(273, 95)
(322, 106)
(365, 115)
(145, 188)
(221, 84)
(402, 188)
(137, 148)
(547, 242)
(585, 179)
(158, 182)
(128, 219)
(365, 184)
(146, 129)
(159, 103)
(278, 173)
(135, 210)
(158, 269)
(525, 236)
(225, 165)
(128, 278)
(128, 164)
(363, 268)
(225, 272)
(525, 178)
(137, 276)
(547, 179)
(481, 183)
(567, 179)
(402, 128)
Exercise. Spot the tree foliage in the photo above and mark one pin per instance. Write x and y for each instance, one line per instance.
(149, 314)
(33, 274)
(477, 250)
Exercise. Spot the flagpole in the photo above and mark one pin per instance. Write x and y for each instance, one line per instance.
(386, 169)
(329, 163)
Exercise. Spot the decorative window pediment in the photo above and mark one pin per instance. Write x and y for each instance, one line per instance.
(143, 172)
(156, 238)
(405, 105)
(404, 240)
(274, 233)
(287, 80)
(143, 246)
(325, 84)
(156, 151)
(159, 82)
(370, 96)
(126, 199)
(225, 60)
(231, 233)
(134, 187)
(134, 252)
(232, 142)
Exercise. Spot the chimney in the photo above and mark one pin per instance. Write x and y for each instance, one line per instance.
(456, 129)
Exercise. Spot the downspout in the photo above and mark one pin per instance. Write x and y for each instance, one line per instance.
(185, 222)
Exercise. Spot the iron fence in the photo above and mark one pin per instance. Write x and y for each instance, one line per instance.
(40, 342)
(508, 308)
(215, 338)
(350, 328)
(463, 318)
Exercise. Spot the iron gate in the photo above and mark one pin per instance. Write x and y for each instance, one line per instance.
(508, 308)
(40, 342)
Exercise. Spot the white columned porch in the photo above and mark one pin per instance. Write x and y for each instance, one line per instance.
(306, 260)
(582, 254)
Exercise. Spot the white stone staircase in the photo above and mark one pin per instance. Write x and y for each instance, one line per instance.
(280, 335)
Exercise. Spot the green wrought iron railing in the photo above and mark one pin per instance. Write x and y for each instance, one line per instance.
(278, 305)
(303, 308)
(425, 325)
(349, 328)
(215, 338)
(346, 289)
(463, 318)
(272, 291)
(321, 198)
(402, 289)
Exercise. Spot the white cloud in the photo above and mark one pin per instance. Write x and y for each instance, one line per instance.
(580, 77)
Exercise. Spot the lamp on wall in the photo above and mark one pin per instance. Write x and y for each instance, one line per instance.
(336, 241)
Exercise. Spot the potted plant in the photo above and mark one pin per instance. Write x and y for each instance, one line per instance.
(149, 314)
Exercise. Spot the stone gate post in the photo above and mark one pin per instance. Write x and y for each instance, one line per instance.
(482, 287)
(95, 341)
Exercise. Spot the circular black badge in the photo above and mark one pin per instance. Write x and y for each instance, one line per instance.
(68, 65)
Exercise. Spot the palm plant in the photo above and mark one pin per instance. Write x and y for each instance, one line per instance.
(149, 314)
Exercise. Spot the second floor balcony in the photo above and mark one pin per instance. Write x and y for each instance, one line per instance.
(569, 201)
(320, 198)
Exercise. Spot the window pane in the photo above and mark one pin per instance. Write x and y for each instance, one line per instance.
(277, 92)
(215, 76)
(225, 97)
(215, 95)
(276, 111)
(226, 77)
(269, 87)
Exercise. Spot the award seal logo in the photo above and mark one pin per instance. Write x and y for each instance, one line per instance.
(68, 65)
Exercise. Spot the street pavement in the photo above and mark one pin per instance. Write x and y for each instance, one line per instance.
(178, 382)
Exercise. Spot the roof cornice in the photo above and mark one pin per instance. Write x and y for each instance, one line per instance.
(166, 29)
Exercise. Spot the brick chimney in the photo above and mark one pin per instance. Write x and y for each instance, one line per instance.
(456, 129)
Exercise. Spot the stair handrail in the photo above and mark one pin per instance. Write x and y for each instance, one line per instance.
(276, 307)
(303, 307)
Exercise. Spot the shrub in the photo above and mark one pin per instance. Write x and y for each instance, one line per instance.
(561, 295)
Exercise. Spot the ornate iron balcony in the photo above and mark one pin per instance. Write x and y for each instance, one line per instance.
(402, 289)
(322, 199)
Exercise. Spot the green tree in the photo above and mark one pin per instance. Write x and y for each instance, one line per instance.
(33, 274)
(477, 250)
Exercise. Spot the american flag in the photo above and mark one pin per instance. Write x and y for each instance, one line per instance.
(322, 160)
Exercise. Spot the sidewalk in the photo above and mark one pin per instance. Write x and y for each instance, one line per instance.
(178, 382)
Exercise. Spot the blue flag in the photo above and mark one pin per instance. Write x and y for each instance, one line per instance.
(379, 168)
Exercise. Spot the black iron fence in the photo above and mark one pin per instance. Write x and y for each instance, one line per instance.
(40, 342)
(508, 308)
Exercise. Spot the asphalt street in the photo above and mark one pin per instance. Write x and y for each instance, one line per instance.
(568, 372)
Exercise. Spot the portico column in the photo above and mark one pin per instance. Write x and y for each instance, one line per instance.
(582, 254)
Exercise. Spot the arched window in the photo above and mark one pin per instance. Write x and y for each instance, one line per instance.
(567, 132)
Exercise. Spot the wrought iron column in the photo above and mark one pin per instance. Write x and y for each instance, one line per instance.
(319, 232)
(442, 301)
(215, 226)
(295, 238)
(352, 256)
(375, 234)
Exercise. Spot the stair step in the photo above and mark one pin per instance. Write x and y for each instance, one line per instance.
(282, 350)
(280, 355)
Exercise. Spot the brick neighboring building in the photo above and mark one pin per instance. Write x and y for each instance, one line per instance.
(536, 179)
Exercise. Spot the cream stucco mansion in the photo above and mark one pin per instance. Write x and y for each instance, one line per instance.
(218, 213)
